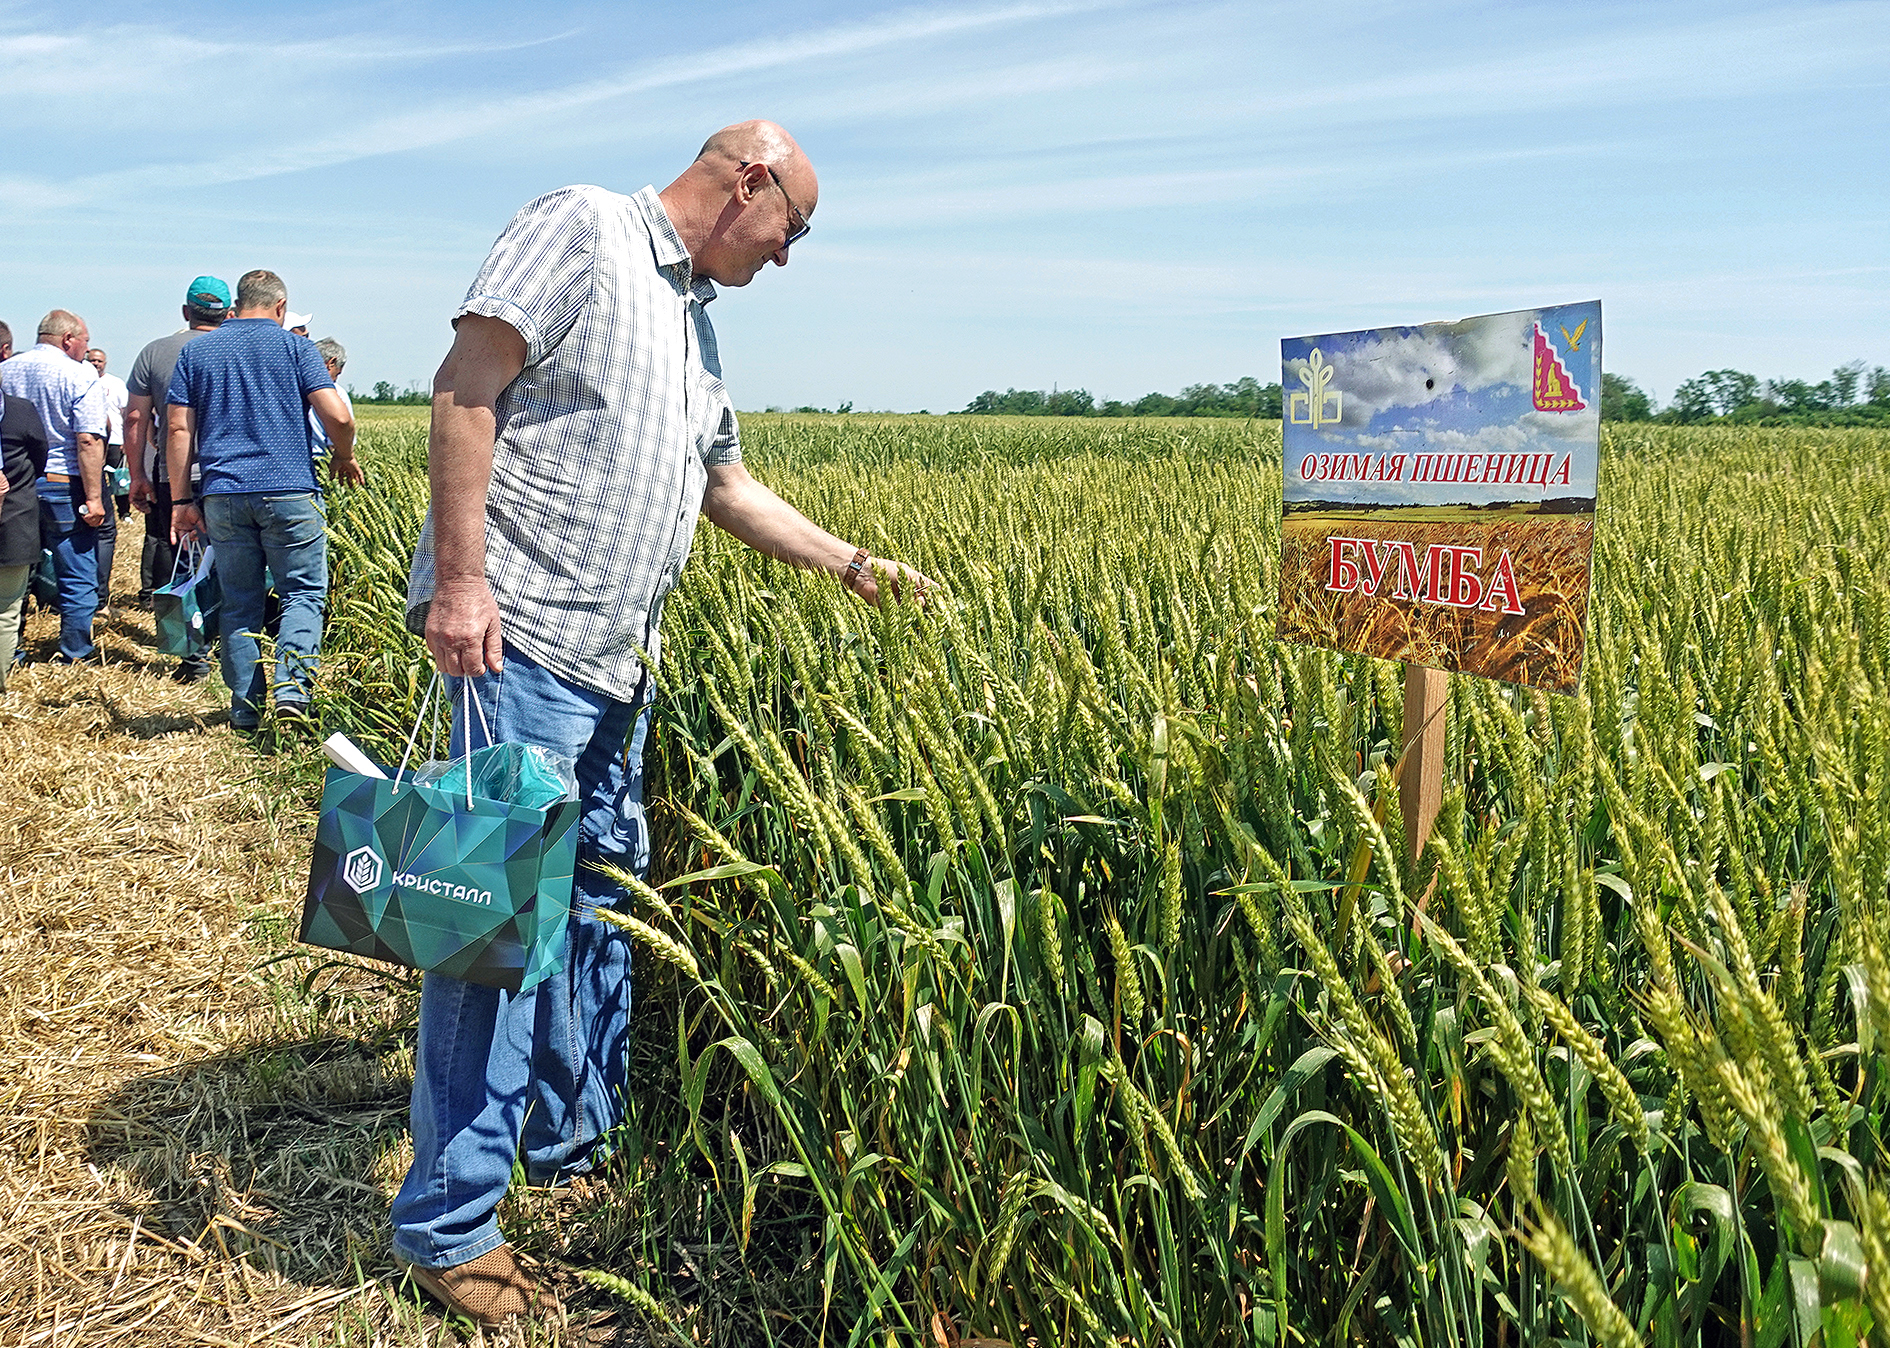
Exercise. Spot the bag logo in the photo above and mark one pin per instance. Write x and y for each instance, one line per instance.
(362, 869)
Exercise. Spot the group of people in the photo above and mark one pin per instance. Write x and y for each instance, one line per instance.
(579, 428)
(217, 436)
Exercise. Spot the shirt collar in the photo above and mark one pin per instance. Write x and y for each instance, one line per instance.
(667, 247)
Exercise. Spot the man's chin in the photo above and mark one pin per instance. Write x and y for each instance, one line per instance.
(733, 280)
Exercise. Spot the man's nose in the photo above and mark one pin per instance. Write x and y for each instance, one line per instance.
(781, 256)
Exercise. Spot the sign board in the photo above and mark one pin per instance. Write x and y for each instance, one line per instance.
(1439, 496)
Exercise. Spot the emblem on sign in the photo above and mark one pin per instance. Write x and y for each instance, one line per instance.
(1554, 391)
(1309, 407)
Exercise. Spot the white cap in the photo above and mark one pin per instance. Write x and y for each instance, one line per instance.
(292, 320)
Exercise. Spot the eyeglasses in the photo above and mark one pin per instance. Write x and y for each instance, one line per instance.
(794, 212)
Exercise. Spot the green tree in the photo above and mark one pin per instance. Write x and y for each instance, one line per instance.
(1731, 390)
(1624, 400)
(1877, 388)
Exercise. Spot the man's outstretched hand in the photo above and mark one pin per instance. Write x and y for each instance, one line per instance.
(879, 575)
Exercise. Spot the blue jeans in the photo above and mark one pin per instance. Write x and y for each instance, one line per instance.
(74, 545)
(542, 1072)
(287, 534)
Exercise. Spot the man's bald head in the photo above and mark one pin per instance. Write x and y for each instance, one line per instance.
(755, 142)
(750, 188)
(58, 324)
(67, 331)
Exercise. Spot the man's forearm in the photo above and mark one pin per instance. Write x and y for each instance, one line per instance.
(179, 440)
(137, 437)
(459, 470)
(753, 513)
(92, 467)
(136, 421)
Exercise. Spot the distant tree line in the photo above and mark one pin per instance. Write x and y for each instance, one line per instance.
(1243, 398)
(1852, 396)
(386, 395)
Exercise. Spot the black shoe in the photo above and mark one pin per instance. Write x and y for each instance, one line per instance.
(294, 718)
(189, 673)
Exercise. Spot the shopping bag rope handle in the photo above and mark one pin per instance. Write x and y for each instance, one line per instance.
(471, 704)
(426, 701)
(193, 551)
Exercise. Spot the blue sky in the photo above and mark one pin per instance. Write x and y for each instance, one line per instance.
(1123, 197)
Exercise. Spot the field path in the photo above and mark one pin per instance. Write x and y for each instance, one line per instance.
(200, 1121)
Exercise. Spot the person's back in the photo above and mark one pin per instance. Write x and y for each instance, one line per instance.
(249, 383)
(66, 393)
(236, 406)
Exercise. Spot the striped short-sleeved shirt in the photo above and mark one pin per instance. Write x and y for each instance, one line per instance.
(605, 438)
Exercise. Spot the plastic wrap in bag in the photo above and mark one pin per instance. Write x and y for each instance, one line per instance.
(512, 774)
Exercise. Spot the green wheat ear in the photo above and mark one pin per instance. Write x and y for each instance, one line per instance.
(1083, 1127)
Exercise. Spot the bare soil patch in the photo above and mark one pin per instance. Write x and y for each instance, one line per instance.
(201, 1122)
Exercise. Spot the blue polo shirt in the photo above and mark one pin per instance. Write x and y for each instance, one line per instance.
(249, 383)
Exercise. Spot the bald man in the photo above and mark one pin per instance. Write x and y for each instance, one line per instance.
(579, 427)
(54, 377)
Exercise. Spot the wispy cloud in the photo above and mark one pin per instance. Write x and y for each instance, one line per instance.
(443, 121)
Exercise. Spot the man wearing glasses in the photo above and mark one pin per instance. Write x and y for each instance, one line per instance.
(579, 427)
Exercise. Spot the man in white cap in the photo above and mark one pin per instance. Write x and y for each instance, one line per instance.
(298, 323)
(116, 397)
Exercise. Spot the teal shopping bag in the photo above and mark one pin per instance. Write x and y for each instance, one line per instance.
(434, 875)
(46, 581)
(187, 608)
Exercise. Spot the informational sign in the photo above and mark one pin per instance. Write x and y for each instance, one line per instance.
(1439, 501)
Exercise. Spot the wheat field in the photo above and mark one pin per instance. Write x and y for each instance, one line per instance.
(1049, 965)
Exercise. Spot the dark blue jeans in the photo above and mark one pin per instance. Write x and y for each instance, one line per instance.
(287, 534)
(74, 545)
(541, 1072)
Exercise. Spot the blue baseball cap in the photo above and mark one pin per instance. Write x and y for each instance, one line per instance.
(208, 295)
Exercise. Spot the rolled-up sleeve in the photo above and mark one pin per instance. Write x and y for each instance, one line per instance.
(538, 276)
(726, 447)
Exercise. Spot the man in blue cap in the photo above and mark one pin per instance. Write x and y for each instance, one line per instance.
(206, 305)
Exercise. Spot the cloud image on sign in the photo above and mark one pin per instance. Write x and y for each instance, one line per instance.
(1439, 492)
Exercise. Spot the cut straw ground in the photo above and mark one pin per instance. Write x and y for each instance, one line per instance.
(200, 1122)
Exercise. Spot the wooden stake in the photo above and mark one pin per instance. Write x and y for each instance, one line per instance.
(1421, 778)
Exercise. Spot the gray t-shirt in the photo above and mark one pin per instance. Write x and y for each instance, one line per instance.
(151, 378)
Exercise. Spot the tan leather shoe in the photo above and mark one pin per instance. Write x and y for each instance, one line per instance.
(488, 1290)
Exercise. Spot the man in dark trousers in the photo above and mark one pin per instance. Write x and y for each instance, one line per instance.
(238, 404)
(206, 305)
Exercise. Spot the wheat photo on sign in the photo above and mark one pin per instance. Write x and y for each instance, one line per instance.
(1439, 495)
